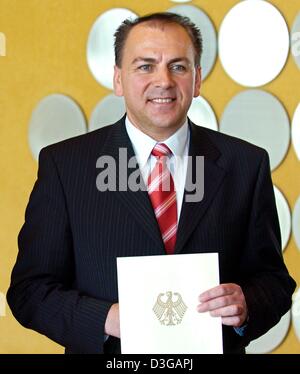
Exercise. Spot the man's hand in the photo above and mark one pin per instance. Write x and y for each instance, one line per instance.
(226, 301)
(112, 323)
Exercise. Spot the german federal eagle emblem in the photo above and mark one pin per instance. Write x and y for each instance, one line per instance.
(167, 311)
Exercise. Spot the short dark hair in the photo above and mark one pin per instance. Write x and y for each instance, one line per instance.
(156, 20)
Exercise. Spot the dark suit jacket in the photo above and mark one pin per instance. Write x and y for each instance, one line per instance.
(65, 278)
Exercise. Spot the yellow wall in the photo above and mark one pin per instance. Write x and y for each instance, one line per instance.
(46, 44)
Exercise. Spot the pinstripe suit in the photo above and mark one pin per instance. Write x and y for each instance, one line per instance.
(65, 279)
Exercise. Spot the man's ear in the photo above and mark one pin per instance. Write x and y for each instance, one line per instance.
(197, 81)
(118, 88)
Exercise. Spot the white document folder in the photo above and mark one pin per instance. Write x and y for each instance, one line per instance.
(158, 298)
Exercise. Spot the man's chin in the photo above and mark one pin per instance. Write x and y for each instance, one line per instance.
(166, 128)
(164, 120)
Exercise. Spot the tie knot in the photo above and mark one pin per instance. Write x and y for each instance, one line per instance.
(161, 150)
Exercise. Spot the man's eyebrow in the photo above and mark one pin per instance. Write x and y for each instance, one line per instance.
(144, 59)
(179, 59)
(154, 60)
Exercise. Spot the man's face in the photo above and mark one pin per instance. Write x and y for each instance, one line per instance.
(158, 78)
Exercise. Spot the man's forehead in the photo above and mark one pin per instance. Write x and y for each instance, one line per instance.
(151, 39)
(143, 30)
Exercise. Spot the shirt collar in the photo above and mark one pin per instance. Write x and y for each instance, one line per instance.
(143, 144)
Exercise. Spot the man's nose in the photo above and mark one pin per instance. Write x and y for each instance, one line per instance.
(163, 78)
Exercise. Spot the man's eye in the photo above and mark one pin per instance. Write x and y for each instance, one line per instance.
(145, 67)
(178, 68)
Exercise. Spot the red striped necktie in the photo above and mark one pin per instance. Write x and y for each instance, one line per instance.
(163, 196)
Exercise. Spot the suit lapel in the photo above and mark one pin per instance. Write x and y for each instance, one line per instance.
(137, 202)
(192, 212)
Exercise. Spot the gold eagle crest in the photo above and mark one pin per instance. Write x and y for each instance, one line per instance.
(167, 311)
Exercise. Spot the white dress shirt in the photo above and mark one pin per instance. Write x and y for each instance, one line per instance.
(177, 163)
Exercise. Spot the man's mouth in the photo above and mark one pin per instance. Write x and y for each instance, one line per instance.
(165, 100)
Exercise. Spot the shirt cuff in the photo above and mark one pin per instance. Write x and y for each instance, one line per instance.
(240, 330)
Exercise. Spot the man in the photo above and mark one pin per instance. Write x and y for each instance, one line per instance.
(64, 283)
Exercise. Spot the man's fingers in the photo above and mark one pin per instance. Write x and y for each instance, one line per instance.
(226, 301)
(221, 290)
(232, 315)
(217, 303)
(228, 311)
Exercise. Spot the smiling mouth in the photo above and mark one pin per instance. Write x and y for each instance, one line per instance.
(159, 100)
